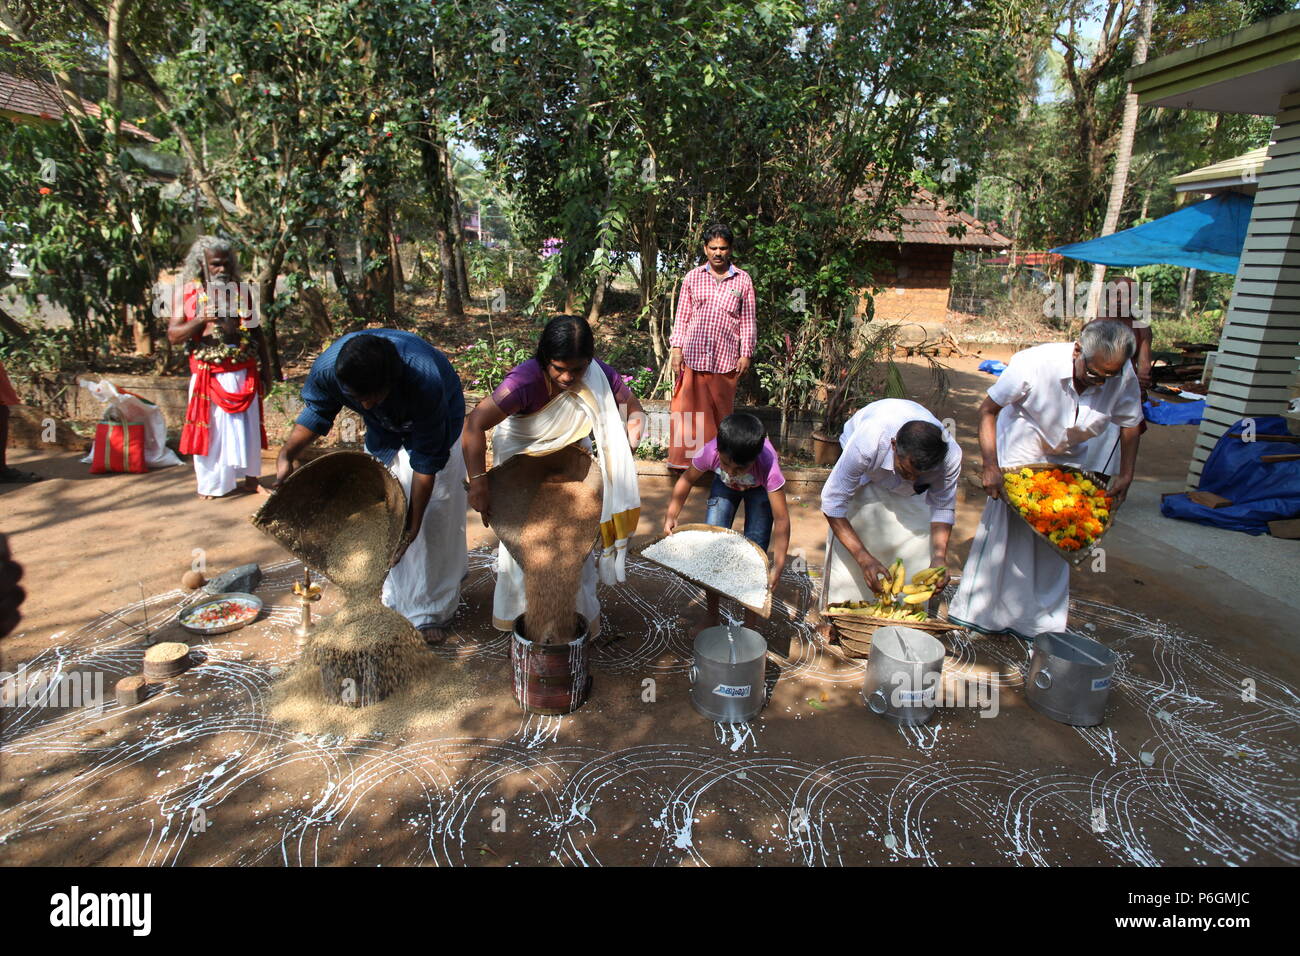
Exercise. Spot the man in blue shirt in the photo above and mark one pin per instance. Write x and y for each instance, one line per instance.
(413, 405)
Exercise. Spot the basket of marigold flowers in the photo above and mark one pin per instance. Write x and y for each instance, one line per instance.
(1068, 508)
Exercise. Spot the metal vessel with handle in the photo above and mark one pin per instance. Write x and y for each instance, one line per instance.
(727, 675)
(903, 673)
(1069, 678)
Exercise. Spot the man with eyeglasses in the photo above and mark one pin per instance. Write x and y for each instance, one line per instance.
(1048, 402)
(1119, 301)
(413, 405)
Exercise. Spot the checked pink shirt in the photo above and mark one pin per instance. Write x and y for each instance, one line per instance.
(715, 319)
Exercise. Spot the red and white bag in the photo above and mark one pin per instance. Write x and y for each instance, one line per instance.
(119, 447)
(121, 406)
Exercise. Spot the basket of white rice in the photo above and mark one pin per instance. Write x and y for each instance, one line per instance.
(719, 559)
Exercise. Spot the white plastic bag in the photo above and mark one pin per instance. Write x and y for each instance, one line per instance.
(131, 408)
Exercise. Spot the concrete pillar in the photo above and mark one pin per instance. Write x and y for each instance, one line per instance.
(1260, 348)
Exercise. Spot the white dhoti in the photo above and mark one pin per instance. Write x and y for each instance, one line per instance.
(890, 526)
(1012, 581)
(424, 587)
(234, 442)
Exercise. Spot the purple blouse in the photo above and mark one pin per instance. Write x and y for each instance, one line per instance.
(524, 390)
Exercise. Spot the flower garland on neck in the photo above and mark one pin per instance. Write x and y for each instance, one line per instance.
(220, 352)
(217, 353)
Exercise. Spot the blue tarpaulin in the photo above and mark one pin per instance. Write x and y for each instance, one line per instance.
(1260, 492)
(1208, 236)
(993, 366)
(1174, 413)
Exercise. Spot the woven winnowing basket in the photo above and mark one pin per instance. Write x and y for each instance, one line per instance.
(307, 512)
(855, 628)
(764, 612)
(514, 484)
(1073, 557)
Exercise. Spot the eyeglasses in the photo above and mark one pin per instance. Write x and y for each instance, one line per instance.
(1091, 373)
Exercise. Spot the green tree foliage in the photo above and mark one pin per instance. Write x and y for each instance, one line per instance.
(60, 185)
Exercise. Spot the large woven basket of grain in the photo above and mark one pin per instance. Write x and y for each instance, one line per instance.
(763, 610)
(313, 505)
(1101, 481)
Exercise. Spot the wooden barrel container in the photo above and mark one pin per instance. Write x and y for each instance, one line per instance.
(550, 678)
(166, 660)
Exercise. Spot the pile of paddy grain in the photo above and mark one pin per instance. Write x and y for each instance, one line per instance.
(435, 694)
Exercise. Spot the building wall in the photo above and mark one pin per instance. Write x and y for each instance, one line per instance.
(916, 284)
(1257, 358)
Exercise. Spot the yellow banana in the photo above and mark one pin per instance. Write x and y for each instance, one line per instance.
(899, 578)
(919, 598)
(928, 575)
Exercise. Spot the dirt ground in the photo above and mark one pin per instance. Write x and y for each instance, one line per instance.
(1188, 768)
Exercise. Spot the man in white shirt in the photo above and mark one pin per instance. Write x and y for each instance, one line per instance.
(1043, 408)
(891, 495)
(1118, 302)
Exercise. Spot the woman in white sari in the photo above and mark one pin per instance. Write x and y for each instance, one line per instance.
(561, 396)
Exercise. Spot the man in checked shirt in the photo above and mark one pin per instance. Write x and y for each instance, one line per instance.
(712, 340)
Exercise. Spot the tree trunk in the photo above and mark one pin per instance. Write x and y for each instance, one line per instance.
(597, 299)
(649, 279)
(117, 14)
(376, 283)
(142, 324)
(1123, 156)
(266, 280)
(433, 163)
(417, 265)
(570, 297)
(357, 306)
(1186, 293)
(395, 254)
(462, 275)
(313, 303)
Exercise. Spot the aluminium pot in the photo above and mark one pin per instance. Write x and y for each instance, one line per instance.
(1069, 678)
(728, 682)
(903, 673)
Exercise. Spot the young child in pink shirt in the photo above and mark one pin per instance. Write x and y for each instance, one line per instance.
(745, 469)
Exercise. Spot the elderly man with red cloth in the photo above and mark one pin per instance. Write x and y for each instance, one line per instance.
(224, 430)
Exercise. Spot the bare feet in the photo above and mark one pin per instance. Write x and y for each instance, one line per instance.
(251, 486)
(434, 635)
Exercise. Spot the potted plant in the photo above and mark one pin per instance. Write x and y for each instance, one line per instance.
(846, 365)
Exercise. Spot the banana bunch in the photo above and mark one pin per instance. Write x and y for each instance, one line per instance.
(918, 592)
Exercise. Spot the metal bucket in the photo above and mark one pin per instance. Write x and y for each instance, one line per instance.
(550, 678)
(1069, 678)
(903, 672)
(727, 675)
